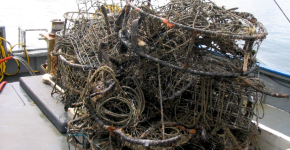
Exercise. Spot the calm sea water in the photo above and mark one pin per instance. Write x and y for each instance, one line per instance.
(274, 51)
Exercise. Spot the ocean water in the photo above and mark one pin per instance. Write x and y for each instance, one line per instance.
(274, 51)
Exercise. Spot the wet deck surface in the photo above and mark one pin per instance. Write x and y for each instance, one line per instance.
(23, 124)
(275, 119)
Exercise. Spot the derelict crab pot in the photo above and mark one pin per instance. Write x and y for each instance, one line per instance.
(192, 59)
(209, 41)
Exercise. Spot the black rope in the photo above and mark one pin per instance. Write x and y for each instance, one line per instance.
(281, 10)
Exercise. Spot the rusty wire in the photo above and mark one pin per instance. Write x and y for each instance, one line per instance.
(169, 77)
(185, 35)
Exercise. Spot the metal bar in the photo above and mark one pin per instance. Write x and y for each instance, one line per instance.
(64, 27)
(35, 30)
(281, 10)
(24, 38)
(22, 35)
(19, 37)
(3, 35)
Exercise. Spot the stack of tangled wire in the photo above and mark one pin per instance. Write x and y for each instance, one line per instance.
(170, 77)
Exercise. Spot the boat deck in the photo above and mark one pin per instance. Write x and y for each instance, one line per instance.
(23, 124)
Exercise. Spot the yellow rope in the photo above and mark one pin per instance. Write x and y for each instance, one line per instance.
(10, 53)
(2, 65)
(26, 53)
(3, 55)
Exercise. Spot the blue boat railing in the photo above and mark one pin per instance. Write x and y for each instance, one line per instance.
(274, 72)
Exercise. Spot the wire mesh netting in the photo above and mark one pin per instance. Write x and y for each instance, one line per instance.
(178, 76)
(187, 34)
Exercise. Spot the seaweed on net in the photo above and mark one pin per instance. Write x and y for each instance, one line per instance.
(169, 77)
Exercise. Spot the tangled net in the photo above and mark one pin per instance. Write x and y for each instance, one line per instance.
(169, 77)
